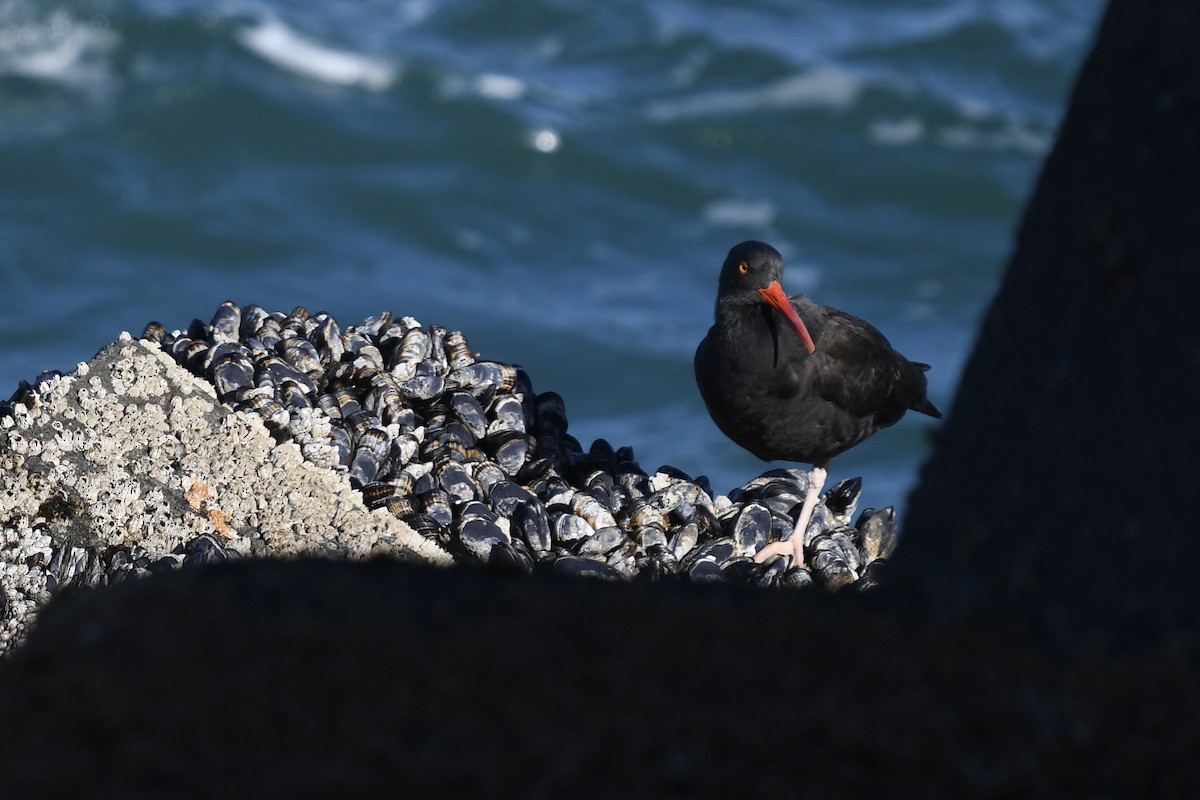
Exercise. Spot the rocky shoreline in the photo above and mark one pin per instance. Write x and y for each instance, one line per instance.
(1026, 643)
(287, 436)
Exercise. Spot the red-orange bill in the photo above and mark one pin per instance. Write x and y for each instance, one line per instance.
(774, 295)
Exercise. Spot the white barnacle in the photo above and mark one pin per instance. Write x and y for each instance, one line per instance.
(65, 440)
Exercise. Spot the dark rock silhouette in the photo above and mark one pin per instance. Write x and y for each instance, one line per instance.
(286, 679)
(1063, 481)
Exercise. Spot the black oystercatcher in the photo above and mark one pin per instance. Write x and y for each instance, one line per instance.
(801, 391)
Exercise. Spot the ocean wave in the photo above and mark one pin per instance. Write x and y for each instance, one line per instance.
(1008, 135)
(826, 86)
(1013, 135)
(732, 213)
(57, 49)
(492, 85)
(906, 130)
(275, 42)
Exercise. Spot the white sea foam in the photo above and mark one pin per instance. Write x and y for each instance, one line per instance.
(274, 41)
(58, 49)
(740, 213)
(896, 131)
(493, 85)
(830, 87)
(500, 87)
(1014, 135)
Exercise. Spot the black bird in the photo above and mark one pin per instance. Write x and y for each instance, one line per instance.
(789, 379)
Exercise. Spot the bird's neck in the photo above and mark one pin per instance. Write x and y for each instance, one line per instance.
(735, 313)
(748, 328)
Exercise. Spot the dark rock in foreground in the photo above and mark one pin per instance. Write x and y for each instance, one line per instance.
(1062, 481)
(338, 679)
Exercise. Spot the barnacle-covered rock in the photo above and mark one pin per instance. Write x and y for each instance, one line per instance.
(130, 466)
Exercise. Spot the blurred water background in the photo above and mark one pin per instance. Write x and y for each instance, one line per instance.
(558, 179)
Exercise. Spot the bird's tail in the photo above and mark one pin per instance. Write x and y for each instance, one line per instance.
(926, 407)
(923, 405)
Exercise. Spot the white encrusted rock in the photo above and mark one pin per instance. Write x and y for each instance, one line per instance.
(132, 451)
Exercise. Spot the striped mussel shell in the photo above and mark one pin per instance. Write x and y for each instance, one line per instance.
(827, 559)
(506, 497)
(439, 450)
(877, 532)
(482, 377)
(842, 499)
(451, 431)
(593, 510)
(437, 350)
(507, 413)
(301, 354)
(154, 332)
(341, 403)
(470, 413)
(268, 335)
(273, 414)
(479, 535)
(456, 479)
(226, 323)
(383, 395)
(73, 566)
(373, 325)
(407, 353)
(354, 340)
(339, 439)
(458, 351)
(393, 495)
(405, 447)
(231, 370)
(423, 385)
(270, 371)
(359, 421)
(487, 474)
(253, 318)
(435, 504)
(193, 354)
(327, 338)
(293, 325)
(294, 395)
(370, 452)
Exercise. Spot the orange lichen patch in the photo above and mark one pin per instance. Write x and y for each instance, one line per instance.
(217, 517)
(196, 492)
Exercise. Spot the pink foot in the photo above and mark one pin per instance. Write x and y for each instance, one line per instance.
(794, 545)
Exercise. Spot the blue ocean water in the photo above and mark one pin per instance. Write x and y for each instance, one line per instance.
(560, 180)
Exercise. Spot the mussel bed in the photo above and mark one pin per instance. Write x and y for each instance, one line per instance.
(465, 452)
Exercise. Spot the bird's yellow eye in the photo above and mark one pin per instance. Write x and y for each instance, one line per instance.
(743, 267)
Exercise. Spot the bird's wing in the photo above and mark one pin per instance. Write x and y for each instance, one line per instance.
(856, 368)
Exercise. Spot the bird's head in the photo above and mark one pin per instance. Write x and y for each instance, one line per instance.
(755, 268)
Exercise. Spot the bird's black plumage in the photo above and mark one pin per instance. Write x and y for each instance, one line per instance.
(765, 389)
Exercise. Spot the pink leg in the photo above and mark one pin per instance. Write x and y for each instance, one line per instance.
(794, 546)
